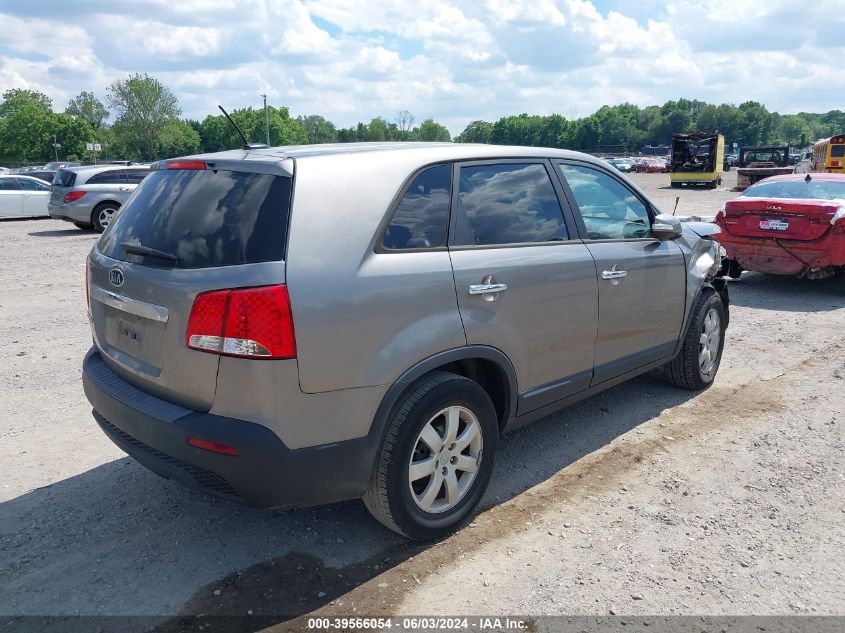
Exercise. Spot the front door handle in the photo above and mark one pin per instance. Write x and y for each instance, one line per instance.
(613, 273)
(486, 289)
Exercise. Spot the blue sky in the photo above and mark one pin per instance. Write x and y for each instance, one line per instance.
(454, 60)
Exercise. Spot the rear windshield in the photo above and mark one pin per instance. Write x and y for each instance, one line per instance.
(64, 178)
(202, 219)
(797, 189)
(837, 151)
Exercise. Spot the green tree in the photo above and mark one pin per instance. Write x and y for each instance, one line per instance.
(476, 132)
(318, 129)
(217, 134)
(377, 130)
(88, 108)
(26, 127)
(145, 108)
(793, 128)
(179, 138)
(72, 133)
(431, 131)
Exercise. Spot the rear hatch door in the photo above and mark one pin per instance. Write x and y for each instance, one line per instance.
(62, 182)
(804, 220)
(200, 230)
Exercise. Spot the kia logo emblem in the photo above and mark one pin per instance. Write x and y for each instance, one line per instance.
(116, 277)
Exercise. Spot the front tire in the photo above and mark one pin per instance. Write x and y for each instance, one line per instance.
(436, 459)
(696, 366)
(103, 214)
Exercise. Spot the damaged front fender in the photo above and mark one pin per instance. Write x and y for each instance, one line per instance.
(701, 251)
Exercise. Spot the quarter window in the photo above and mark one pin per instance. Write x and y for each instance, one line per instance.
(104, 177)
(507, 204)
(610, 210)
(134, 176)
(421, 218)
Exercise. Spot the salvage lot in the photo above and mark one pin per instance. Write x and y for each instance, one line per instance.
(642, 500)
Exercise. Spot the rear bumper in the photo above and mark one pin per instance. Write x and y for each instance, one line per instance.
(69, 213)
(791, 257)
(265, 473)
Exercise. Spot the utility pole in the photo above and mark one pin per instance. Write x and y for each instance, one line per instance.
(266, 118)
(56, 147)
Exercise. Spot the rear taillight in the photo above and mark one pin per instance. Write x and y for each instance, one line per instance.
(244, 322)
(72, 196)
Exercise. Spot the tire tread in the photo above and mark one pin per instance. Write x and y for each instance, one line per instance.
(375, 498)
(682, 371)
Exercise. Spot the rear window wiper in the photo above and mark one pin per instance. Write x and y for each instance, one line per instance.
(139, 249)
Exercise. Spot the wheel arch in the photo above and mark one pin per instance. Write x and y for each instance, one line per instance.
(486, 365)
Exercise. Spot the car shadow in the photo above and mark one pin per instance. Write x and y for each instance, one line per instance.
(118, 540)
(780, 292)
(62, 232)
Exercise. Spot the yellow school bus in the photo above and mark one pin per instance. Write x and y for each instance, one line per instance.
(697, 159)
(829, 155)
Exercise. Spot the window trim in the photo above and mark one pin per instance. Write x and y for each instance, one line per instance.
(378, 245)
(579, 219)
(563, 203)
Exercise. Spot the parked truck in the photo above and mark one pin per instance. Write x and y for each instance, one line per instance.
(697, 159)
(756, 163)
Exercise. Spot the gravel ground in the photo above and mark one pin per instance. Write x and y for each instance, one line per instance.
(642, 500)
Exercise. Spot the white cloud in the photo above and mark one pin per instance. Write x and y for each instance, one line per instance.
(455, 60)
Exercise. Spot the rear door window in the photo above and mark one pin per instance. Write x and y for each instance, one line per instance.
(9, 184)
(507, 203)
(110, 177)
(203, 218)
(421, 217)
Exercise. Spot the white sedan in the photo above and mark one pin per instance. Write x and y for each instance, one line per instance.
(23, 196)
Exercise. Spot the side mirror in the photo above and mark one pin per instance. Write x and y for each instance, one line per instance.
(666, 227)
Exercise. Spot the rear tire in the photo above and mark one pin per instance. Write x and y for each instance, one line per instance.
(695, 367)
(420, 490)
(103, 214)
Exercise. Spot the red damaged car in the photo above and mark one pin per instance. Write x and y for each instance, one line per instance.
(786, 225)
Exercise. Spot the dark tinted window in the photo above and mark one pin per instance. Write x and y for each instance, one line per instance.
(610, 210)
(507, 204)
(134, 176)
(110, 177)
(32, 185)
(837, 151)
(64, 178)
(422, 215)
(8, 184)
(205, 218)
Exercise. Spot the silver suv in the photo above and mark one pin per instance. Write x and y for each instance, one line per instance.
(296, 326)
(90, 196)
